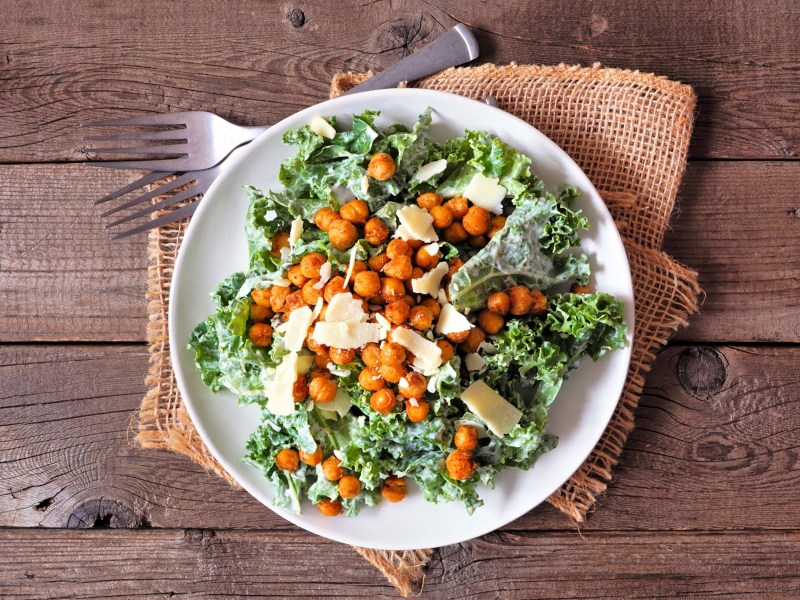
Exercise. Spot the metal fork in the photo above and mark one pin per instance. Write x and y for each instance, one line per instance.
(200, 182)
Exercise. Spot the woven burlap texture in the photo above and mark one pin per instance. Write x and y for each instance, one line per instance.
(629, 132)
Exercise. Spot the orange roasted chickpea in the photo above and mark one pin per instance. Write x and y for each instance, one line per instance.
(342, 234)
(413, 385)
(371, 380)
(392, 289)
(538, 304)
(442, 216)
(331, 469)
(371, 355)
(490, 322)
(477, 220)
(293, 301)
(311, 263)
(466, 438)
(259, 313)
(421, 318)
(367, 283)
(455, 264)
(398, 247)
(295, 275)
(392, 353)
(381, 166)
(397, 312)
(324, 217)
(418, 413)
(313, 344)
(455, 233)
(262, 297)
(425, 259)
(577, 288)
(355, 211)
(477, 241)
(260, 334)
(321, 360)
(322, 390)
(399, 268)
(433, 306)
(329, 508)
(458, 206)
(392, 373)
(342, 356)
(287, 460)
(460, 464)
(333, 287)
(473, 341)
(394, 489)
(428, 200)
(497, 223)
(310, 293)
(520, 300)
(458, 336)
(376, 231)
(279, 242)
(300, 388)
(448, 351)
(349, 486)
(377, 262)
(313, 458)
(499, 303)
(383, 401)
(416, 273)
(409, 299)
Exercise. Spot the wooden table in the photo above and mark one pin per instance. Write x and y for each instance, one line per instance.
(704, 501)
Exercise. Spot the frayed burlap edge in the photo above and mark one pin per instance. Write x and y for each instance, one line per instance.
(665, 292)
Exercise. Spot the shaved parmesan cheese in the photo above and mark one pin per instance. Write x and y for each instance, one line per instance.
(403, 382)
(344, 308)
(499, 415)
(451, 321)
(281, 282)
(296, 231)
(270, 215)
(432, 249)
(340, 404)
(279, 394)
(324, 275)
(474, 361)
(428, 356)
(365, 185)
(415, 224)
(352, 264)
(486, 192)
(321, 127)
(430, 169)
(296, 328)
(318, 307)
(442, 297)
(430, 283)
(413, 402)
(345, 335)
(305, 362)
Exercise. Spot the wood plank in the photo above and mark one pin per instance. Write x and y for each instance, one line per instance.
(207, 563)
(53, 240)
(263, 61)
(709, 416)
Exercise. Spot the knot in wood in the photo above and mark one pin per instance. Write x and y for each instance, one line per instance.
(702, 371)
(297, 17)
(105, 513)
(404, 36)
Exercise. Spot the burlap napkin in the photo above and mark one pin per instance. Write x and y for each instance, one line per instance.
(629, 132)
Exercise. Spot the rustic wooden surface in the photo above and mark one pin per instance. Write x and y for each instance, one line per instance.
(704, 499)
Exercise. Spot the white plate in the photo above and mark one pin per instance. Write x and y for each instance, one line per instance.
(215, 247)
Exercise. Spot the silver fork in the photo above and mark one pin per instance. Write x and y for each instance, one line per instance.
(200, 182)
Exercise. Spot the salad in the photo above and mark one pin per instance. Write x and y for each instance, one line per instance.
(406, 315)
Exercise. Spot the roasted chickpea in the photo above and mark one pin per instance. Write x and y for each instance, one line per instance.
(413, 385)
(392, 289)
(371, 380)
(313, 458)
(355, 211)
(458, 336)
(321, 360)
(371, 355)
(416, 273)
(477, 241)
(287, 460)
(300, 388)
(333, 287)
(311, 264)
(262, 297)
(490, 322)
(260, 334)
(394, 489)
(466, 438)
(477, 220)
(392, 353)
(538, 304)
(398, 247)
(455, 233)
(322, 390)
(331, 469)
(425, 259)
(428, 200)
(421, 318)
(383, 401)
(496, 224)
(520, 300)
(577, 288)
(397, 312)
(259, 313)
(376, 231)
(377, 262)
(381, 166)
(433, 306)
(313, 344)
(455, 264)
(499, 303)
(359, 266)
(448, 351)
(349, 486)
(399, 268)
(342, 356)
(415, 245)
(342, 234)
(367, 283)
(279, 242)
(418, 413)
(460, 464)
(474, 340)
(320, 372)
(310, 293)
(322, 313)
(409, 299)
(392, 373)
(295, 275)
(442, 216)
(329, 508)
(458, 207)
(324, 217)
(293, 301)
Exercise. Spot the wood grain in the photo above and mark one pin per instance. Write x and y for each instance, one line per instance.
(262, 61)
(205, 563)
(708, 418)
(63, 278)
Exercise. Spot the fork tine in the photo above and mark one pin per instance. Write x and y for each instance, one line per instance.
(160, 191)
(170, 217)
(170, 118)
(139, 183)
(165, 149)
(167, 134)
(184, 195)
(164, 164)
